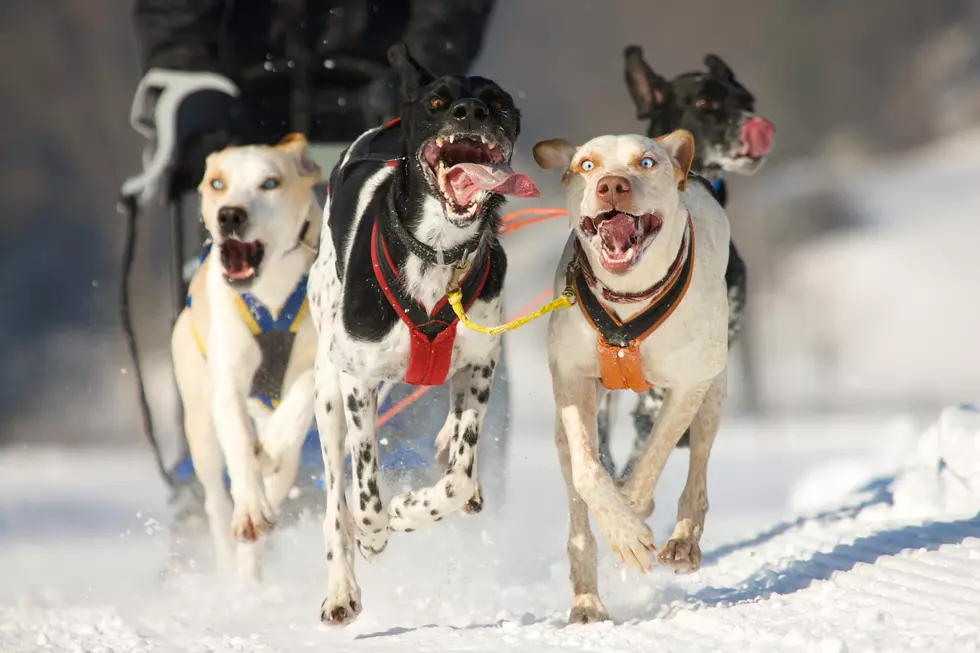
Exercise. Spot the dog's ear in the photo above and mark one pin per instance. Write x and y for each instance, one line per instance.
(718, 68)
(650, 91)
(554, 153)
(413, 75)
(680, 146)
(297, 146)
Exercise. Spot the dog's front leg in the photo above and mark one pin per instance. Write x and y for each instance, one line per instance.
(252, 513)
(682, 551)
(361, 410)
(625, 533)
(283, 435)
(458, 488)
(343, 601)
(674, 418)
(587, 607)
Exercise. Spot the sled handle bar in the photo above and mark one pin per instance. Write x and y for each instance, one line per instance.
(171, 87)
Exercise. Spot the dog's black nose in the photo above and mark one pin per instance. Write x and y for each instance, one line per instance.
(469, 112)
(231, 219)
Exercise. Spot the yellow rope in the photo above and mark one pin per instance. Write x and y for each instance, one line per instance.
(455, 296)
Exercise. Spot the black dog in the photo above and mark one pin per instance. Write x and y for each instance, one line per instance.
(409, 204)
(728, 137)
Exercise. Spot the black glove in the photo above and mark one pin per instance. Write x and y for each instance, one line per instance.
(381, 100)
(207, 121)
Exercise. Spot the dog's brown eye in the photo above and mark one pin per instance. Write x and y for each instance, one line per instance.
(496, 106)
(437, 103)
(271, 184)
(707, 104)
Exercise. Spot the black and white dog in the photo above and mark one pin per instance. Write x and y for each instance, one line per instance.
(729, 137)
(409, 204)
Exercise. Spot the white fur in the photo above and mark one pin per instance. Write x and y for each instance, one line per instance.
(686, 355)
(215, 390)
(348, 373)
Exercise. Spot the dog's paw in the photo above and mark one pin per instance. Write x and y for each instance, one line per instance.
(401, 514)
(587, 609)
(628, 537)
(340, 609)
(372, 544)
(682, 555)
(252, 516)
(475, 504)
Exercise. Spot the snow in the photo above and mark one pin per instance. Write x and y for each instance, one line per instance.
(887, 559)
(879, 314)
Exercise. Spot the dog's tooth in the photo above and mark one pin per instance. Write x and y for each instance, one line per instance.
(440, 141)
(452, 137)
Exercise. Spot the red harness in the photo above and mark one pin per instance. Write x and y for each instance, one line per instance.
(431, 335)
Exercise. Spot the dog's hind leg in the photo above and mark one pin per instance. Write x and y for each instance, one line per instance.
(606, 417)
(587, 607)
(644, 417)
(343, 601)
(459, 487)
(360, 406)
(682, 551)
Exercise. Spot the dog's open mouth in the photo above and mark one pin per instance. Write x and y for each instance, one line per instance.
(241, 260)
(622, 236)
(463, 168)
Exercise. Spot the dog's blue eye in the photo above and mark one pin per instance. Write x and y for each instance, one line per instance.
(647, 162)
(217, 184)
(270, 184)
(587, 165)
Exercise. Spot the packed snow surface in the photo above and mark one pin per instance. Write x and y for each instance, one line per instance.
(845, 535)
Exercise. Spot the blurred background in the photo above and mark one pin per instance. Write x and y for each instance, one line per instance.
(859, 233)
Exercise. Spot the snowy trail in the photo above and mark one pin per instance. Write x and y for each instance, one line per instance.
(891, 566)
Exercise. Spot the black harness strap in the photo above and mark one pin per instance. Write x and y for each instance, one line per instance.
(425, 252)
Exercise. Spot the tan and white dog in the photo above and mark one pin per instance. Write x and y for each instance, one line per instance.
(648, 254)
(244, 347)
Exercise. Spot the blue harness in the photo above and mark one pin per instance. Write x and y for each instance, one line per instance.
(275, 336)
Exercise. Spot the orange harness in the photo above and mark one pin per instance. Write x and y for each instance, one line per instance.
(619, 342)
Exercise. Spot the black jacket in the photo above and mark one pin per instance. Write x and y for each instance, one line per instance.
(316, 66)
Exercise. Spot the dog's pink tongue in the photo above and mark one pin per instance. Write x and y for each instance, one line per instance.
(468, 178)
(756, 137)
(618, 234)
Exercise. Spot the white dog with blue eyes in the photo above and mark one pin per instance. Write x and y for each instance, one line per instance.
(244, 347)
(646, 261)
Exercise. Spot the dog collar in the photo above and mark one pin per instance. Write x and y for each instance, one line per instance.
(431, 335)
(427, 253)
(650, 293)
(619, 342)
